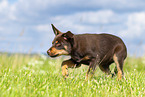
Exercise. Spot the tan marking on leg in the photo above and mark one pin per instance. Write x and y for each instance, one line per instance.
(65, 65)
(119, 74)
(65, 71)
(87, 74)
(84, 58)
(86, 77)
(118, 68)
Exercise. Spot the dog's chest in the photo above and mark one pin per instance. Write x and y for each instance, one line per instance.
(75, 56)
(80, 59)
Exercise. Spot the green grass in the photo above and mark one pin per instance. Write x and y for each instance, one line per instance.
(36, 76)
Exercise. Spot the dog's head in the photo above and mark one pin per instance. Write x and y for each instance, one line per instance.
(61, 44)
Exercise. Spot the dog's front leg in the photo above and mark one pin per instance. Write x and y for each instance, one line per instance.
(92, 67)
(68, 64)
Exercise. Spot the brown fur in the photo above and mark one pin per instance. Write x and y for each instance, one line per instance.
(90, 49)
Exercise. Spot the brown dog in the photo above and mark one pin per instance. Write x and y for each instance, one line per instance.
(89, 49)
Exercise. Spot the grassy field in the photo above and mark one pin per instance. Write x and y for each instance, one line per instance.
(37, 76)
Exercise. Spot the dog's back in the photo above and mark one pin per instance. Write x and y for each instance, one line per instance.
(98, 45)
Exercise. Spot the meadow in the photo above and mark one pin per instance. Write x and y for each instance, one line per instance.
(40, 76)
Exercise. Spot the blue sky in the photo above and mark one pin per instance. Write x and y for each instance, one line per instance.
(25, 24)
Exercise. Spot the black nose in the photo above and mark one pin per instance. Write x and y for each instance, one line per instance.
(48, 52)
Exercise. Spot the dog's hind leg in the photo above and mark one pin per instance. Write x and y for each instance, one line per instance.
(68, 64)
(105, 68)
(119, 65)
(115, 71)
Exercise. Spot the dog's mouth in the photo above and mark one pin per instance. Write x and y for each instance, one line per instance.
(54, 55)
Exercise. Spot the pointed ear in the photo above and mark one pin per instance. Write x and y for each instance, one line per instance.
(56, 31)
(68, 35)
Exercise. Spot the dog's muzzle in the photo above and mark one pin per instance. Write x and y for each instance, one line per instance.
(51, 54)
(48, 52)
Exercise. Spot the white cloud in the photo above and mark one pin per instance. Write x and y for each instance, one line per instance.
(144, 48)
(7, 12)
(30, 10)
(3, 10)
(135, 25)
(91, 21)
(103, 17)
(1, 28)
(3, 5)
(42, 27)
(129, 25)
